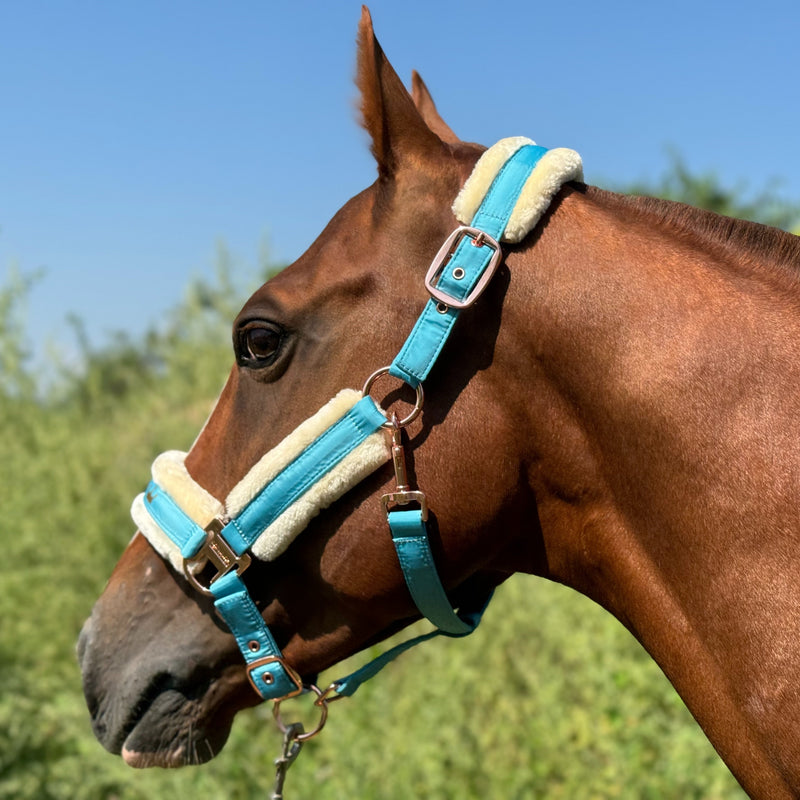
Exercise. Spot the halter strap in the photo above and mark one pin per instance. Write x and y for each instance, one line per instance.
(513, 182)
(476, 251)
(410, 538)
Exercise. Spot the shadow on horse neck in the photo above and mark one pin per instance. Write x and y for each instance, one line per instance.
(617, 413)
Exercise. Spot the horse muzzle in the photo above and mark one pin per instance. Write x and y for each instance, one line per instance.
(162, 683)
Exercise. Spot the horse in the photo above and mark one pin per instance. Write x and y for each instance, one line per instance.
(618, 412)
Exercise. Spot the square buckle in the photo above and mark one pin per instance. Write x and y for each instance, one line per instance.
(403, 497)
(479, 239)
(292, 675)
(216, 552)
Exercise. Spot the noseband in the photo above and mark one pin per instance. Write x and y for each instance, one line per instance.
(212, 542)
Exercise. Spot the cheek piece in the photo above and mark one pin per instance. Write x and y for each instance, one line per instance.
(212, 542)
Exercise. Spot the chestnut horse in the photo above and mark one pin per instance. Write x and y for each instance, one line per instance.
(618, 413)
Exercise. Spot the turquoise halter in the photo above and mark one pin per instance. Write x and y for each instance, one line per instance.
(458, 275)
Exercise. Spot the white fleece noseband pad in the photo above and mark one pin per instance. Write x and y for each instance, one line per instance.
(169, 471)
(554, 169)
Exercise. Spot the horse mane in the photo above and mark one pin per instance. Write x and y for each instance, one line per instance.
(751, 243)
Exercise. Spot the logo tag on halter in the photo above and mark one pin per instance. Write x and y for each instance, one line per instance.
(219, 554)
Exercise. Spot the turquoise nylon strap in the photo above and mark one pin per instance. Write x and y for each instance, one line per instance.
(232, 598)
(494, 212)
(419, 353)
(182, 529)
(255, 641)
(409, 532)
(410, 537)
(324, 453)
(416, 359)
(348, 686)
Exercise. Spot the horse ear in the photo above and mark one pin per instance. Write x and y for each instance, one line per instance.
(425, 105)
(399, 133)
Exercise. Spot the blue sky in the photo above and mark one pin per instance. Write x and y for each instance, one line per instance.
(136, 135)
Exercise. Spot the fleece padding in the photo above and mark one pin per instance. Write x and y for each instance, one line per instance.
(170, 472)
(555, 168)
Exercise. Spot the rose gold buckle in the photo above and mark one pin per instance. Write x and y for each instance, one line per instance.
(479, 239)
(216, 552)
(403, 499)
(267, 678)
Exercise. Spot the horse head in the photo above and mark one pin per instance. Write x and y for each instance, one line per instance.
(162, 673)
(616, 411)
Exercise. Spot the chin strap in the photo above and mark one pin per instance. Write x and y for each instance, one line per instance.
(511, 186)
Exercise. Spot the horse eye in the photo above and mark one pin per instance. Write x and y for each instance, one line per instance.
(259, 343)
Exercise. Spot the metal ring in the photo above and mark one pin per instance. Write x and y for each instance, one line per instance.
(320, 702)
(392, 422)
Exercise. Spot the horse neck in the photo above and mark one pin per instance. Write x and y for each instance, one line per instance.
(663, 453)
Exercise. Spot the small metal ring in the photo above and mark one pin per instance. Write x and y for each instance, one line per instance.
(320, 702)
(392, 422)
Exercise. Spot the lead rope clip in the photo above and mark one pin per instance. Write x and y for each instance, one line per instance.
(292, 744)
(403, 494)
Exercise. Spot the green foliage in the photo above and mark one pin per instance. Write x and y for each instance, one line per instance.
(551, 698)
(706, 191)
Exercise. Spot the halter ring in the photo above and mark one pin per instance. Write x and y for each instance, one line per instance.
(321, 702)
(391, 421)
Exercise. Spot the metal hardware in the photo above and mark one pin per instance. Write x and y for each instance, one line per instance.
(479, 239)
(458, 272)
(268, 678)
(253, 646)
(216, 551)
(420, 399)
(320, 702)
(292, 744)
(403, 494)
(328, 695)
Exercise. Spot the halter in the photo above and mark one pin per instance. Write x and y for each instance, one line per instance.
(212, 542)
